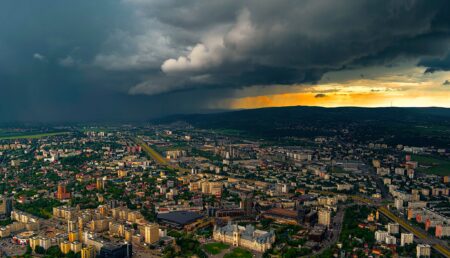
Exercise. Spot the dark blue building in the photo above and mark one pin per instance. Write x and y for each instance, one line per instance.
(116, 251)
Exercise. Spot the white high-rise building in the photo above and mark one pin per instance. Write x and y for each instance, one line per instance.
(391, 240)
(380, 235)
(393, 228)
(399, 171)
(398, 204)
(423, 250)
(406, 239)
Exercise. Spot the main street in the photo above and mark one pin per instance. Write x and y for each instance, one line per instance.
(335, 230)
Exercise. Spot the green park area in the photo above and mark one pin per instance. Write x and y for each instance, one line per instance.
(432, 165)
(238, 253)
(42, 208)
(215, 248)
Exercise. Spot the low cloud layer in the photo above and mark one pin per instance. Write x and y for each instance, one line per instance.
(39, 57)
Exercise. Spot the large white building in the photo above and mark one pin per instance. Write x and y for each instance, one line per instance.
(247, 237)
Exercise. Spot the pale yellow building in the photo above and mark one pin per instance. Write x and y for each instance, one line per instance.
(121, 173)
(65, 247)
(213, 188)
(75, 247)
(88, 252)
(45, 242)
(116, 229)
(324, 217)
(73, 236)
(151, 233)
(99, 225)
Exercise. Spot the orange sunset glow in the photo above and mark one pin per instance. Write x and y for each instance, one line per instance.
(349, 99)
(402, 87)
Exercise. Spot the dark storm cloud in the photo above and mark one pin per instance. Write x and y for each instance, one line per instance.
(39, 38)
(284, 42)
(436, 64)
(320, 95)
(134, 59)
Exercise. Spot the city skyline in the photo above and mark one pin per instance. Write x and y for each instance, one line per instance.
(224, 128)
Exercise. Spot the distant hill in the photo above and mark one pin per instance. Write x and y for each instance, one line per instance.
(409, 126)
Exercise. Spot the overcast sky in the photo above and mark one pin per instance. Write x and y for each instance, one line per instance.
(103, 60)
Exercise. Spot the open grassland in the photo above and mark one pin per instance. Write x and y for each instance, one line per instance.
(215, 248)
(433, 165)
(238, 253)
(31, 136)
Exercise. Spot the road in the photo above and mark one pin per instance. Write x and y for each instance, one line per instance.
(380, 184)
(336, 230)
(151, 152)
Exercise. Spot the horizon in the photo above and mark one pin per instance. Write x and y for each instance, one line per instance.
(208, 112)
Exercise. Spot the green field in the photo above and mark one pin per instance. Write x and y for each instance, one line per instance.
(31, 136)
(215, 248)
(437, 165)
(338, 170)
(238, 253)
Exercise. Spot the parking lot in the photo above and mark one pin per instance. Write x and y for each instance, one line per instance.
(10, 249)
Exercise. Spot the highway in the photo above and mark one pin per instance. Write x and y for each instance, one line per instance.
(151, 152)
(435, 243)
(158, 158)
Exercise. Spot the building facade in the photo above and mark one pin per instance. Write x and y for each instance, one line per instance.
(325, 217)
(247, 237)
(151, 233)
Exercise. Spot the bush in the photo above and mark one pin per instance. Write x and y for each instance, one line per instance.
(39, 249)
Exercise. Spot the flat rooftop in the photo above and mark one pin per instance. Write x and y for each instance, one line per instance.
(179, 217)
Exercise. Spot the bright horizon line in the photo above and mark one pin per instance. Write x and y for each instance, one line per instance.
(345, 106)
